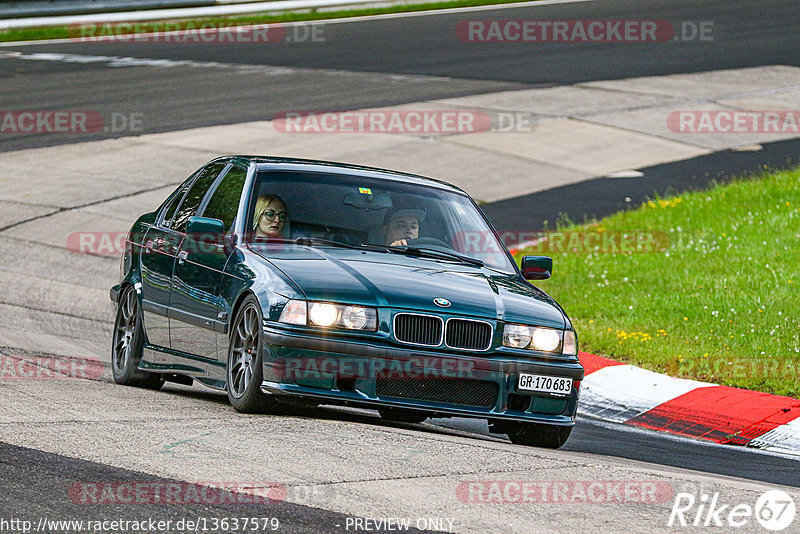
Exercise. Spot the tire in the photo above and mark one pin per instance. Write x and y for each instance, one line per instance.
(244, 373)
(128, 340)
(402, 416)
(538, 435)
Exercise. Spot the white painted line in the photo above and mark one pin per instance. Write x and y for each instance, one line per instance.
(270, 70)
(748, 148)
(630, 173)
(621, 392)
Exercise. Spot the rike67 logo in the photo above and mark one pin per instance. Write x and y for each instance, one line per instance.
(774, 510)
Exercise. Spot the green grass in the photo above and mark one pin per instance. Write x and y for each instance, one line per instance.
(717, 300)
(63, 32)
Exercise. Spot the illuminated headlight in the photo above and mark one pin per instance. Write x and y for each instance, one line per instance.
(327, 314)
(544, 339)
(519, 336)
(322, 314)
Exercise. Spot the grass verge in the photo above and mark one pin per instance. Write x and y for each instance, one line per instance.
(713, 295)
(64, 32)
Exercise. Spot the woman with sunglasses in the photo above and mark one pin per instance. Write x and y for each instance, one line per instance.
(270, 216)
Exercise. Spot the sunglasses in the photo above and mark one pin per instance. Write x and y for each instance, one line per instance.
(270, 215)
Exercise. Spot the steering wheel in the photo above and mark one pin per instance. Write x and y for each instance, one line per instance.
(427, 242)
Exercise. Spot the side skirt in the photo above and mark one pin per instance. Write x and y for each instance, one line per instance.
(161, 360)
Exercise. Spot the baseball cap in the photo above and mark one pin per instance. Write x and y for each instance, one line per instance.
(419, 215)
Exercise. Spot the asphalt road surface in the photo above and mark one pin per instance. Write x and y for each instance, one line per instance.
(123, 437)
(376, 62)
(55, 435)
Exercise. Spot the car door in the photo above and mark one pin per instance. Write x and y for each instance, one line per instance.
(161, 246)
(156, 261)
(195, 300)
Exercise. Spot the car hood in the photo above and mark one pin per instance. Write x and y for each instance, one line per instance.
(402, 282)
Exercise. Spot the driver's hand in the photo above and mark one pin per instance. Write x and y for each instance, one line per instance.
(399, 243)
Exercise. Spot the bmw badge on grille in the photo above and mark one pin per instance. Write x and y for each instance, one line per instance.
(444, 303)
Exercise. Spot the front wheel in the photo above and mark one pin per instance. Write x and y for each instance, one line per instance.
(126, 352)
(244, 375)
(538, 435)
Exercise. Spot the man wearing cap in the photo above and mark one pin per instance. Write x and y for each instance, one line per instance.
(400, 226)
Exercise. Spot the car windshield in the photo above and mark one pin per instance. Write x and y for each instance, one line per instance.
(332, 208)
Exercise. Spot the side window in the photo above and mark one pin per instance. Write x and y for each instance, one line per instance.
(173, 204)
(195, 195)
(224, 202)
(167, 209)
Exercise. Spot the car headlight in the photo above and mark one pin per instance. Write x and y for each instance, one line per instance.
(520, 336)
(322, 314)
(328, 314)
(516, 336)
(355, 317)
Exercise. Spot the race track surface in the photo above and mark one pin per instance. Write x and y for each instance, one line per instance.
(334, 463)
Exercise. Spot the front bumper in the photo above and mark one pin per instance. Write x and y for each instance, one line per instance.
(377, 376)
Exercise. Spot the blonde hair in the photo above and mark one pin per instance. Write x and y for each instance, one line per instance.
(261, 206)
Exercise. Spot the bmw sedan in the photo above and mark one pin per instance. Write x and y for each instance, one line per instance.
(299, 282)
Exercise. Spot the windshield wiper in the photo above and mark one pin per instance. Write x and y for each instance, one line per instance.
(311, 241)
(265, 239)
(445, 254)
(409, 251)
(429, 252)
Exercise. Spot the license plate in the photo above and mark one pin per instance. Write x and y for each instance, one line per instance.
(546, 384)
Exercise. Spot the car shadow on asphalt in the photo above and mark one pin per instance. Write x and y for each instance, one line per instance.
(456, 426)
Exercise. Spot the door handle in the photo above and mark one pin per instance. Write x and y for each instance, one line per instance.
(182, 256)
(148, 247)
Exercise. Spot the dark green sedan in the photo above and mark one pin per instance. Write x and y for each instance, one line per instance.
(298, 282)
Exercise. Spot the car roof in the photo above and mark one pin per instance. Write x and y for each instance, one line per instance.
(309, 165)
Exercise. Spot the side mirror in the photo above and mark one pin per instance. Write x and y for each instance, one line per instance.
(204, 225)
(537, 267)
(205, 233)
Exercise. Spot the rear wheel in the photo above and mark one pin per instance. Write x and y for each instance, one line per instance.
(126, 352)
(538, 435)
(402, 416)
(244, 375)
